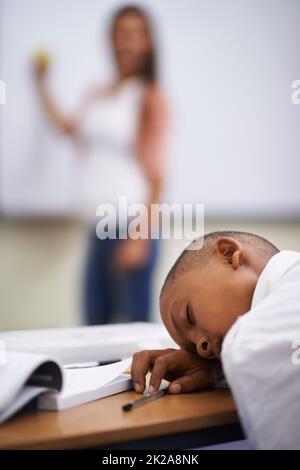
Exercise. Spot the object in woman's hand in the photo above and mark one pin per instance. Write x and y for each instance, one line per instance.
(41, 61)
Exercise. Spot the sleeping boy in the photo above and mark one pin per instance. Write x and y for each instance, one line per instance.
(234, 305)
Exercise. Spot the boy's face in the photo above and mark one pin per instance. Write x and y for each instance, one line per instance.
(199, 306)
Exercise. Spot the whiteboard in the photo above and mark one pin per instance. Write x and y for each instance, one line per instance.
(227, 68)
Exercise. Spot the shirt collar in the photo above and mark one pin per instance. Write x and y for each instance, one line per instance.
(278, 265)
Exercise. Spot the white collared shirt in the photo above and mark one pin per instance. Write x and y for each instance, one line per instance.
(261, 357)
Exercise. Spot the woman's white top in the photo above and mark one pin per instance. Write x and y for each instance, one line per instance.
(261, 357)
(108, 132)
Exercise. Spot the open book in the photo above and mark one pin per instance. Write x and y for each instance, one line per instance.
(26, 376)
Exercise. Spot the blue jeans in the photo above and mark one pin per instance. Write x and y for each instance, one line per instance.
(111, 296)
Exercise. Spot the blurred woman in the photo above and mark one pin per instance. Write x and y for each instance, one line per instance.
(121, 133)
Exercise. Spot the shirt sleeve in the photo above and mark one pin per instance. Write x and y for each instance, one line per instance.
(261, 362)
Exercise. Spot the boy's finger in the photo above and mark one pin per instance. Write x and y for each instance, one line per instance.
(188, 383)
(139, 368)
(141, 364)
(162, 366)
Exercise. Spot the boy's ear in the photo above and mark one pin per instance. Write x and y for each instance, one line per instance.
(230, 250)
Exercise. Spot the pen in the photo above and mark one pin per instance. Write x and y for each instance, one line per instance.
(88, 365)
(147, 398)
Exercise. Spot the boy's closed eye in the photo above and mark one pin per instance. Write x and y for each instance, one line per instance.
(189, 315)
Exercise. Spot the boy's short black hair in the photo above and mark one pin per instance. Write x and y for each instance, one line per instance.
(190, 259)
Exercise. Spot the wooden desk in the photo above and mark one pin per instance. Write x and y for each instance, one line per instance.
(104, 423)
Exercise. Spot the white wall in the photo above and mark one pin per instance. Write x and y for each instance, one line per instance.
(227, 66)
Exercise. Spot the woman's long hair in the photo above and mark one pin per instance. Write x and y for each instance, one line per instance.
(149, 69)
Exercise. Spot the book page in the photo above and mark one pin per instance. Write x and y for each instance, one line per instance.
(24, 396)
(15, 373)
(78, 381)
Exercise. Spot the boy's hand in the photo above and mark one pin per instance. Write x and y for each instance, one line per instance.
(184, 369)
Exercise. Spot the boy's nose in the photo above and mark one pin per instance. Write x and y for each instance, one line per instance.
(204, 348)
